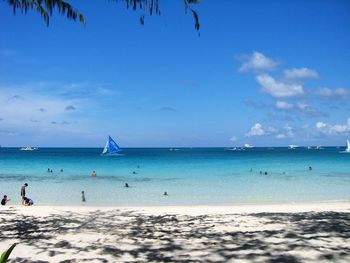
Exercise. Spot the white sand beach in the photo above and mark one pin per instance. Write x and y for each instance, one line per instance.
(318, 232)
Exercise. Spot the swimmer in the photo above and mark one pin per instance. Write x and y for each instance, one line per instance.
(93, 174)
(28, 201)
(134, 172)
(61, 170)
(83, 196)
(165, 193)
(126, 185)
(4, 200)
(265, 173)
(310, 168)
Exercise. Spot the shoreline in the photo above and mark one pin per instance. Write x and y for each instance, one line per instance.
(335, 206)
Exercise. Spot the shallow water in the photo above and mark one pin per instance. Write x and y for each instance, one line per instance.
(191, 176)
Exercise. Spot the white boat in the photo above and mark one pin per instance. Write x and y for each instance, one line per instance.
(231, 149)
(28, 149)
(247, 145)
(173, 149)
(292, 146)
(111, 147)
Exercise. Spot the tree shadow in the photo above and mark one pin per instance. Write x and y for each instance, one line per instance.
(115, 235)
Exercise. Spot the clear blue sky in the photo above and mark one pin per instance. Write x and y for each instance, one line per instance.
(261, 72)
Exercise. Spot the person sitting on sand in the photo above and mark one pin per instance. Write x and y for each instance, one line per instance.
(4, 200)
(83, 196)
(93, 174)
(23, 192)
(126, 185)
(28, 201)
(165, 193)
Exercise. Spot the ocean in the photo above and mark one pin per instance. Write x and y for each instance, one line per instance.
(191, 176)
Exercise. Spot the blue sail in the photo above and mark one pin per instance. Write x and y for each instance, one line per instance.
(112, 146)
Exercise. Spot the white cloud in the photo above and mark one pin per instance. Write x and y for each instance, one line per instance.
(233, 139)
(300, 73)
(278, 89)
(257, 62)
(333, 129)
(27, 110)
(284, 105)
(287, 132)
(299, 107)
(258, 130)
(338, 93)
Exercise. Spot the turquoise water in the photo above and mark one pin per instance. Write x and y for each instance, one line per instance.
(191, 176)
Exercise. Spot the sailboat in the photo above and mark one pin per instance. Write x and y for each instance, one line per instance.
(347, 146)
(111, 147)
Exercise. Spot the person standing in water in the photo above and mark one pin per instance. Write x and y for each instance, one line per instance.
(93, 174)
(83, 197)
(23, 192)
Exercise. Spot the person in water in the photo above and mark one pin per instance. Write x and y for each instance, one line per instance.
(93, 174)
(126, 185)
(23, 192)
(48, 170)
(310, 168)
(134, 172)
(4, 200)
(83, 196)
(61, 170)
(28, 201)
(165, 193)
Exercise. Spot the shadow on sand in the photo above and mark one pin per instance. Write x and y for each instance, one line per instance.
(120, 236)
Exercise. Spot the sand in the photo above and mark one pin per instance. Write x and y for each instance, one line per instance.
(318, 232)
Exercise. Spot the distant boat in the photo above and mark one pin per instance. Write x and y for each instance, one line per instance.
(111, 147)
(28, 149)
(231, 149)
(292, 146)
(319, 147)
(247, 145)
(173, 149)
(234, 149)
(347, 146)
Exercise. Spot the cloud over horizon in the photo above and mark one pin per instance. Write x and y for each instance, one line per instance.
(257, 62)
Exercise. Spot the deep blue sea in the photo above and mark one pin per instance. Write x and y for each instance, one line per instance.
(191, 176)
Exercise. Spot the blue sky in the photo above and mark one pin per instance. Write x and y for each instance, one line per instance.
(261, 72)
